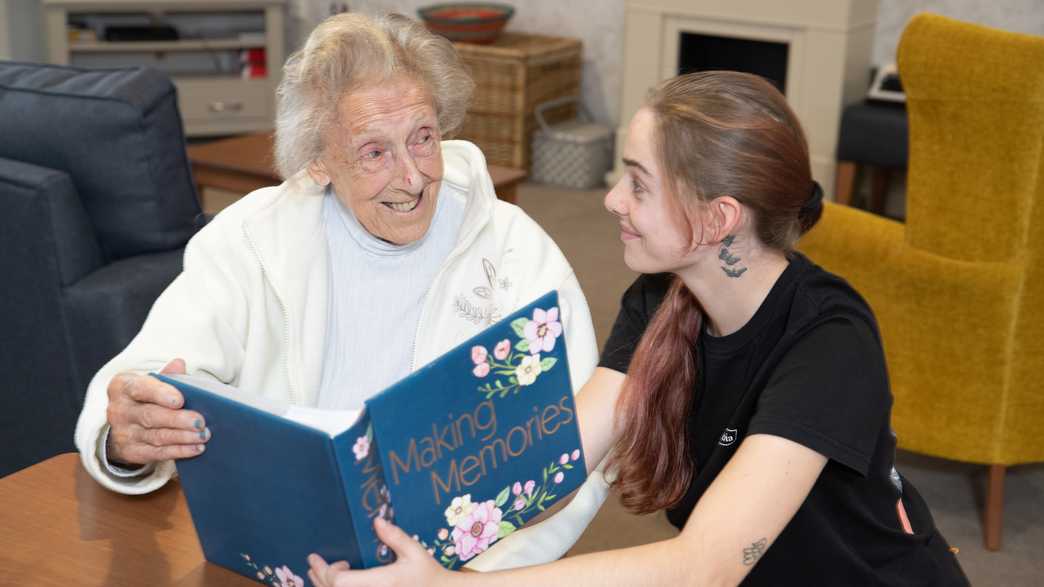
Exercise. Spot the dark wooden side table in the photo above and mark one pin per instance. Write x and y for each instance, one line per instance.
(244, 164)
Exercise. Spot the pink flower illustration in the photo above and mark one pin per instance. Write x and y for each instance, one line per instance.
(481, 370)
(559, 476)
(576, 454)
(361, 447)
(502, 349)
(443, 534)
(529, 487)
(287, 578)
(478, 354)
(543, 330)
(563, 459)
(477, 531)
(516, 488)
(520, 503)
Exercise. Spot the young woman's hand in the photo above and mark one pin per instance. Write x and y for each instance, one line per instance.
(414, 566)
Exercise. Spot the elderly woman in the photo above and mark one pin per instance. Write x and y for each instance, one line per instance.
(384, 248)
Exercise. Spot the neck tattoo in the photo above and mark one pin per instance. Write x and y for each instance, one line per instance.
(729, 259)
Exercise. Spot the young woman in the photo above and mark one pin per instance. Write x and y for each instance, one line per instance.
(743, 388)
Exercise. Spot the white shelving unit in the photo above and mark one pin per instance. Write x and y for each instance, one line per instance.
(213, 104)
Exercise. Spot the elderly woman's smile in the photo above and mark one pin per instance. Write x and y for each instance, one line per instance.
(383, 158)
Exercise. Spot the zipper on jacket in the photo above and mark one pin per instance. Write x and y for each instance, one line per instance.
(286, 317)
(458, 251)
(427, 301)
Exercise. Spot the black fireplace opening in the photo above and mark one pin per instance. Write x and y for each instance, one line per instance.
(699, 52)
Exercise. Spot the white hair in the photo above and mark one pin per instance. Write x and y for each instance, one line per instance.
(349, 50)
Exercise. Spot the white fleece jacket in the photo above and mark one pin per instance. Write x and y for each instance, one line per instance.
(249, 310)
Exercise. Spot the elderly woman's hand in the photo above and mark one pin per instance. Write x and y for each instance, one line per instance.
(414, 566)
(146, 422)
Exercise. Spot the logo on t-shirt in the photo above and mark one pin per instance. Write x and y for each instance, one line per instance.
(728, 437)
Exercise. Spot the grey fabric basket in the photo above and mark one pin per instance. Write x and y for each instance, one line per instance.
(574, 154)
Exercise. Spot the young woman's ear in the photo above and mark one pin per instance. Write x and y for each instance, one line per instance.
(317, 171)
(726, 215)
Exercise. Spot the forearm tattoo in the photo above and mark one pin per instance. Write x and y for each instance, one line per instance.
(729, 259)
(752, 553)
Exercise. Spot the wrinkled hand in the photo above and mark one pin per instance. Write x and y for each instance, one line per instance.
(147, 423)
(414, 566)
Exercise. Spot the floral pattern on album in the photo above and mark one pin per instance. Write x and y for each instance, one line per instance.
(473, 526)
(514, 366)
(361, 448)
(275, 577)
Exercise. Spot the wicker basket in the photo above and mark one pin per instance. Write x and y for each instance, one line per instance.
(512, 76)
(574, 154)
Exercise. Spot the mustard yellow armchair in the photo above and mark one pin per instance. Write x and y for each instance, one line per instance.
(958, 289)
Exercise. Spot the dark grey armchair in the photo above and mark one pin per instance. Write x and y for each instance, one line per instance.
(96, 205)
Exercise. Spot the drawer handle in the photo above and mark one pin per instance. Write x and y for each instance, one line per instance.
(222, 106)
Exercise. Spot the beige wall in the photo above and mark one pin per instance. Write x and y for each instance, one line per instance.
(1024, 16)
(5, 41)
(21, 30)
(600, 24)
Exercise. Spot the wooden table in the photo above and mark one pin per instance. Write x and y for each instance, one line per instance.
(59, 527)
(244, 164)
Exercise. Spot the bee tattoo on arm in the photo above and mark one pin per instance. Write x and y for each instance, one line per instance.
(752, 553)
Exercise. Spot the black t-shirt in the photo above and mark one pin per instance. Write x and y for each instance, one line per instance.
(808, 367)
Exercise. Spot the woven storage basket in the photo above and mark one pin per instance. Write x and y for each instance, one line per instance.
(512, 76)
(575, 154)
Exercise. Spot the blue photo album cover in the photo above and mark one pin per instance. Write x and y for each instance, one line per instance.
(459, 454)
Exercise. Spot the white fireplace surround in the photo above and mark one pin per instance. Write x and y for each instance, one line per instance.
(828, 60)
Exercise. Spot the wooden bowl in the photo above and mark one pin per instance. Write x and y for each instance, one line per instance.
(467, 22)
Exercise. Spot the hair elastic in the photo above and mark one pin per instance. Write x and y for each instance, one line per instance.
(815, 198)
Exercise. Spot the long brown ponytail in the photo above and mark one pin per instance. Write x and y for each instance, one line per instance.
(717, 133)
(653, 466)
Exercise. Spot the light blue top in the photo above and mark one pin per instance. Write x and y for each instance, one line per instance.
(377, 290)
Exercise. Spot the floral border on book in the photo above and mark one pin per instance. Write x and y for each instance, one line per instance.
(371, 465)
(521, 362)
(472, 527)
(277, 577)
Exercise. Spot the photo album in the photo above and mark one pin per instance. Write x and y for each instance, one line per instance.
(459, 454)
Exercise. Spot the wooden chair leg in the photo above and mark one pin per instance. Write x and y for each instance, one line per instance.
(199, 194)
(844, 182)
(993, 521)
(880, 179)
